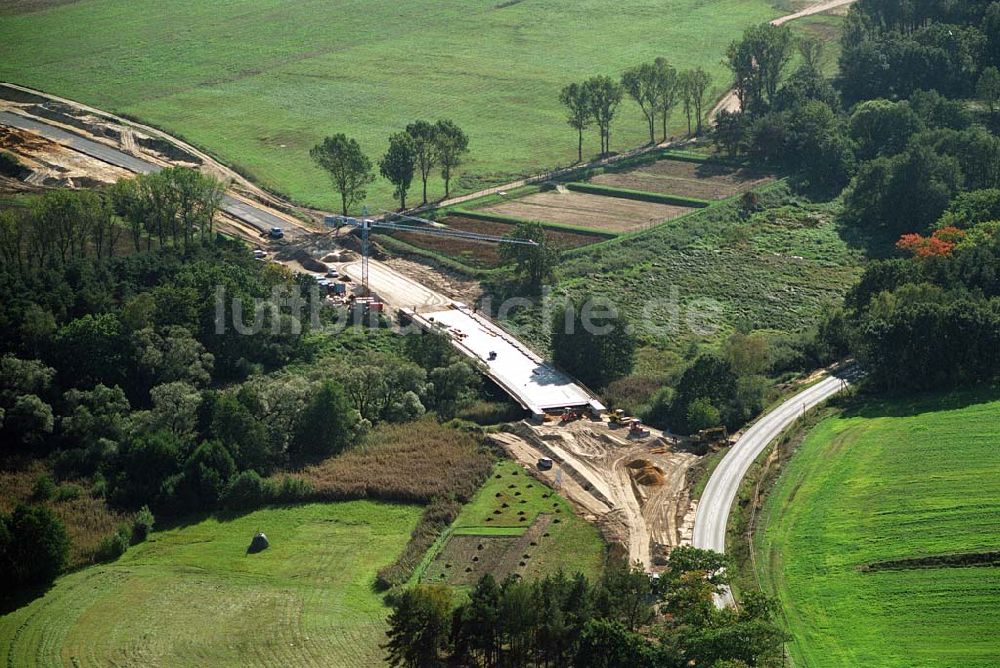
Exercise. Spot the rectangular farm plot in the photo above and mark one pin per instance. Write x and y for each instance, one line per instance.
(486, 255)
(706, 180)
(466, 557)
(515, 524)
(597, 212)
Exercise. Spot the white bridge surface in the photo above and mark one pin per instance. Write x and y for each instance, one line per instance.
(534, 384)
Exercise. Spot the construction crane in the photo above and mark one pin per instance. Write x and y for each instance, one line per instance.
(365, 225)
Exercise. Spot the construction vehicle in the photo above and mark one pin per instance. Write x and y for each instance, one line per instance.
(617, 418)
(715, 436)
(636, 430)
(570, 414)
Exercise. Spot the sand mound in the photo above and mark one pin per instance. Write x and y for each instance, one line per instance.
(646, 472)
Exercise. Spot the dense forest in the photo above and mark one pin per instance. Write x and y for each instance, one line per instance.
(625, 619)
(905, 136)
(158, 368)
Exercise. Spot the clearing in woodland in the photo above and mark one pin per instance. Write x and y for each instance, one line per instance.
(259, 82)
(870, 535)
(192, 596)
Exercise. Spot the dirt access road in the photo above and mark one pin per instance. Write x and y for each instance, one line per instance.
(730, 102)
(634, 489)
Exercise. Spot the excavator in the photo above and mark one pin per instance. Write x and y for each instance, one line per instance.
(714, 437)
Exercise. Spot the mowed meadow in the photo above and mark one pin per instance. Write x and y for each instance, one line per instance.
(891, 480)
(259, 82)
(191, 596)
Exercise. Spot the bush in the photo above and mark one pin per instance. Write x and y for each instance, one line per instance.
(247, 491)
(290, 490)
(36, 548)
(142, 525)
(113, 546)
(68, 492)
(11, 166)
(701, 414)
(44, 488)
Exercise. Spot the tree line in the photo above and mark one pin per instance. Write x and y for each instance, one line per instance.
(114, 373)
(656, 87)
(175, 206)
(624, 619)
(418, 150)
(906, 133)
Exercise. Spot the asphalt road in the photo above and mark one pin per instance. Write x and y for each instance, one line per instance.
(256, 216)
(720, 492)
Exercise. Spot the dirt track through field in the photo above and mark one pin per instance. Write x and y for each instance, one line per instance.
(592, 470)
(730, 102)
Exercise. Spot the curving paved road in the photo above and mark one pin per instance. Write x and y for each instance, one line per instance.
(716, 501)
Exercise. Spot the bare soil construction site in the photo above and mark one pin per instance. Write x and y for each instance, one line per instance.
(634, 489)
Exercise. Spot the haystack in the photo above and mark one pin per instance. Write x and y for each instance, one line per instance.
(258, 544)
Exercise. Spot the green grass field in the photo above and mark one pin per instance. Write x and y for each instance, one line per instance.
(697, 278)
(889, 480)
(258, 82)
(572, 544)
(191, 596)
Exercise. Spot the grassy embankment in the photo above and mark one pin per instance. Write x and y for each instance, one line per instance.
(192, 596)
(698, 278)
(886, 481)
(259, 82)
(502, 511)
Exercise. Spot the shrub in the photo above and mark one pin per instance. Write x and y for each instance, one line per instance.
(69, 492)
(290, 490)
(11, 166)
(44, 488)
(701, 414)
(37, 546)
(245, 492)
(142, 525)
(114, 545)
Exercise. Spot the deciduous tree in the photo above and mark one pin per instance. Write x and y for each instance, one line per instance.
(398, 163)
(452, 145)
(425, 146)
(604, 96)
(578, 112)
(641, 84)
(699, 80)
(666, 91)
(348, 166)
(534, 263)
